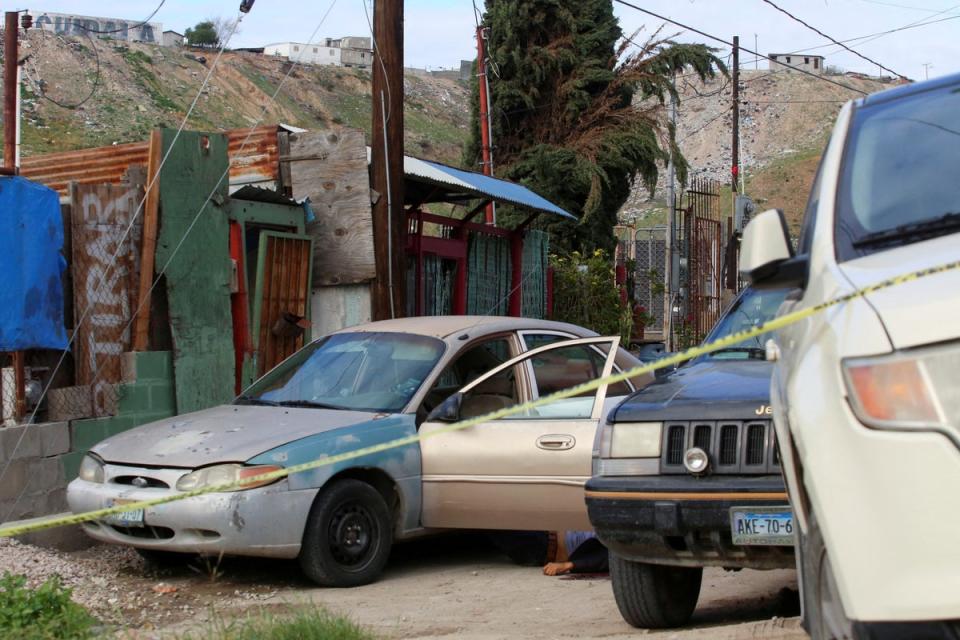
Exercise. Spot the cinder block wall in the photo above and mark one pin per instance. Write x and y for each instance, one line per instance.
(48, 456)
(147, 394)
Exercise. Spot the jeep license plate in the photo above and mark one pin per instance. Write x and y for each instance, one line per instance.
(132, 518)
(761, 525)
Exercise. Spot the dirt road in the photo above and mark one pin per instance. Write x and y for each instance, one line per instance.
(461, 588)
(450, 587)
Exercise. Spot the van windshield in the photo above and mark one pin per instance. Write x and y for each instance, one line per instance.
(897, 184)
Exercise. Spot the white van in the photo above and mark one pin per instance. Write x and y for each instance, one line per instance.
(866, 394)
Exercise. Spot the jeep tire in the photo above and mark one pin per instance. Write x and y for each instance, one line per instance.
(652, 596)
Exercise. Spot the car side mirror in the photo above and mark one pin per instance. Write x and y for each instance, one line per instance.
(767, 259)
(448, 410)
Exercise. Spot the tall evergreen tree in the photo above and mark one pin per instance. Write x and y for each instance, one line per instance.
(575, 116)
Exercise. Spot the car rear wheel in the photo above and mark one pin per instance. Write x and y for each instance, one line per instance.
(823, 615)
(348, 536)
(652, 596)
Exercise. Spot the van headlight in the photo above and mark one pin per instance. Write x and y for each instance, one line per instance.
(91, 469)
(636, 440)
(907, 390)
(226, 474)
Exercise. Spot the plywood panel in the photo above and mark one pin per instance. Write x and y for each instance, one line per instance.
(331, 169)
(104, 288)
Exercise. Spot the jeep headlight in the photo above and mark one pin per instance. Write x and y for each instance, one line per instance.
(91, 469)
(226, 474)
(636, 440)
(907, 390)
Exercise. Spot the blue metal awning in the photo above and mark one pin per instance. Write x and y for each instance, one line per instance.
(434, 182)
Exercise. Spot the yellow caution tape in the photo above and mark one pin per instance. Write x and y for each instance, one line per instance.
(731, 340)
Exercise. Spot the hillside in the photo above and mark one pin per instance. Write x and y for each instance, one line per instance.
(786, 119)
(143, 86)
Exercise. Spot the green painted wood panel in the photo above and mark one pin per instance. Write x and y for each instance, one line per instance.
(198, 274)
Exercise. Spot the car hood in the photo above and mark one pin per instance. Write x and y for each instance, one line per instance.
(917, 312)
(706, 390)
(228, 433)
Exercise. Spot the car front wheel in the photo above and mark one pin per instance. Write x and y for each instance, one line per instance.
(348, 536)
(652, 596)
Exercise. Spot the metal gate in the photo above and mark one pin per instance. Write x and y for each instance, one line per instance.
(701, 236)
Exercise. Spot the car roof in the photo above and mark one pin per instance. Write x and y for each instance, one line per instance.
(907, 90)
(445, 326)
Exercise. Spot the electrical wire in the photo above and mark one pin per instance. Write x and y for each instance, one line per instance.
(831, 39)
(113, 261)
(383, 67)
(93, 88)
(730, 44)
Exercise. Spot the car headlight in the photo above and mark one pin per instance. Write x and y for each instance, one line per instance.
(226, 474)
(636, 440)
(91, 469)
(913, 390)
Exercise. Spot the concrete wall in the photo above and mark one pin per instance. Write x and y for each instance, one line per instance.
(80, 26)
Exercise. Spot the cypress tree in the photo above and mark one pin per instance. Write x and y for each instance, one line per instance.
(576, 116)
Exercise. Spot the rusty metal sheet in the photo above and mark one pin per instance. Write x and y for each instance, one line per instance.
(254, 158)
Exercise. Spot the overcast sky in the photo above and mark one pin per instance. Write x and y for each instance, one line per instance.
(439, 33)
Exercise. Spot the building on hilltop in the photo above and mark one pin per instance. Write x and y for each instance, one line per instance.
(304, 53)
(793, 61)
(355, 51)
(172, 39)
(65, 24)
(341, 52)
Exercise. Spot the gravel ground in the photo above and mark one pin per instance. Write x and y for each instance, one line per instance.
(452, 587)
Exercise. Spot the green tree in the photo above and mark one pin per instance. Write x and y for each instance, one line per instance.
(204, 34)
(578, 111)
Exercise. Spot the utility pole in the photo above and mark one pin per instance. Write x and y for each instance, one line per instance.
(756, 59)
(485, 129)
(11, 93)
(926, 70)
(669, 240)
(386, 162)
(735, 148)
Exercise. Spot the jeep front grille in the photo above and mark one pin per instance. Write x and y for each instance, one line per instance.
(734, 446)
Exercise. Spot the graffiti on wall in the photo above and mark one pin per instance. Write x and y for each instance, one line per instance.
(102, 285)
(70, 25)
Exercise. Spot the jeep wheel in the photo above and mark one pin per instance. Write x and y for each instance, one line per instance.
(652, 596)
(823, 615)
(348, 536)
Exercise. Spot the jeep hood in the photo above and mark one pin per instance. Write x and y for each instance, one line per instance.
(920, 311)
(228, 433)
(706, 390)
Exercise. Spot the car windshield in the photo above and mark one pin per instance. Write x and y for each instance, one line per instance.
(895, 184)
(751, 309)
(356, 371)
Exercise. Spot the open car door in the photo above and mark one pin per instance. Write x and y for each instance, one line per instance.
(525, 471)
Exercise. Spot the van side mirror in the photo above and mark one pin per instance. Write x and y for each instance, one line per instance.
(767, 259)
(448, 410)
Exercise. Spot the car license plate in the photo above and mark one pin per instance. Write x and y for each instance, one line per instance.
(761, 525)
(124, 518)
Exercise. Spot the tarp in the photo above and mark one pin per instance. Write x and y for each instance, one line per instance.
(31, 265)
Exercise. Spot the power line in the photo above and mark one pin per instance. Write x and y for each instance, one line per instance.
(815, 30)
(93, 89)
(730, 44)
